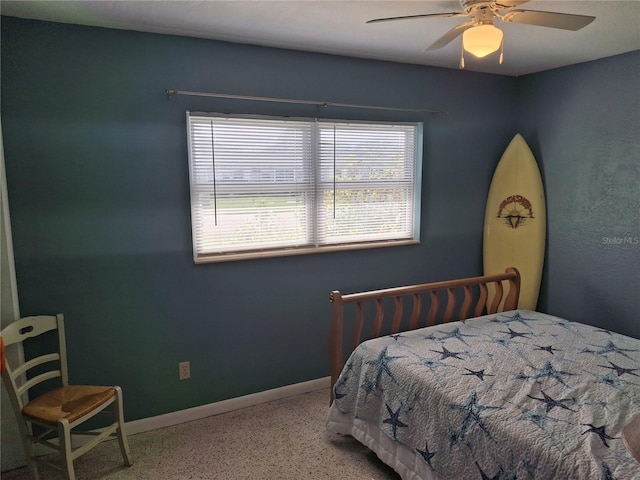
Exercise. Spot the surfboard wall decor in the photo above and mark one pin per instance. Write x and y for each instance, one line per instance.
(515, 221)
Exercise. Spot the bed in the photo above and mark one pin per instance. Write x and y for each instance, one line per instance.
(449, 380)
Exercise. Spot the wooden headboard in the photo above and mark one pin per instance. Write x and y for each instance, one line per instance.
(465, 298)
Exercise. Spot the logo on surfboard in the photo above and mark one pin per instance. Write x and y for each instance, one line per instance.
(516, 210)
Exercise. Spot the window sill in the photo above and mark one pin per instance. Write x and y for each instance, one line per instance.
(231, 257)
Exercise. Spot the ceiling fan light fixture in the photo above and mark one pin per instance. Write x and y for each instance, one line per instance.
(482, 40)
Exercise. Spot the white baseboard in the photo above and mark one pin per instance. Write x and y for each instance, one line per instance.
(203, 411)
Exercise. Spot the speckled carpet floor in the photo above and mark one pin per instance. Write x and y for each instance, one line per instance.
(280, 440)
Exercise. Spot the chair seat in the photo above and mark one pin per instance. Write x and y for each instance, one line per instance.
(70, 402)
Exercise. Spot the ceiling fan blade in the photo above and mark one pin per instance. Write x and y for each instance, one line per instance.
(407, 17)
(566, 21)
(449, 36)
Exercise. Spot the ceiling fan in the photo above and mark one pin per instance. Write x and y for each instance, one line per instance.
(480, 36)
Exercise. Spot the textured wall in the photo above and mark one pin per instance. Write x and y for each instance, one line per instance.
(98, 185)
(583, 124)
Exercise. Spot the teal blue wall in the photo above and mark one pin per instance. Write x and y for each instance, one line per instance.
(96, 159)
(583, 125)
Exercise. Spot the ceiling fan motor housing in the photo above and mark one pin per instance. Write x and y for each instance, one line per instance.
(482, 12)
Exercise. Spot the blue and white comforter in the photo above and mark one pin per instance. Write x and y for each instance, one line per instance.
(518, 395)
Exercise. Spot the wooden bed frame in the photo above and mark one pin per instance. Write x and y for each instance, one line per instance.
(475, 291)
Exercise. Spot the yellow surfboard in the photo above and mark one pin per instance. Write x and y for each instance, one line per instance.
(515, 221)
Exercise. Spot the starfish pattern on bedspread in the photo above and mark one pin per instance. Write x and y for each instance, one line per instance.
(546, 423)
(430, 336)
(549, 349)
(394, 420)
(381, 364)
(457, 334)
(609, 348)
(514, 334)
(600, 431)
(430, 363)
(478, 373)
(562, 324)
(446, 353)
(426, 454)
(551, 403)
(516, 317)
(368, 388)
(547, 371)
(609, 379)
(620, 370)
(506, 342)
(342, 380)
(472, 412)
(538, 419)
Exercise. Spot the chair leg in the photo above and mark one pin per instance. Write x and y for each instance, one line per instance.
(30, 454)
(27, 446)
(122, 436)
(64, 437)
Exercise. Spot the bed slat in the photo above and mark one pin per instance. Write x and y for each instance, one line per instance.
(466, 303)
(482, 300)
(451, 305)
(357, 334)
(433, 309)
(497, 297)
(397, 314)
(415, 312)
(377, 324)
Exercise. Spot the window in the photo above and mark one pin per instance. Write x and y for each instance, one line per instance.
(265, 186)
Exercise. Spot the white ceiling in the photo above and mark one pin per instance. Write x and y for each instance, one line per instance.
(338, 27)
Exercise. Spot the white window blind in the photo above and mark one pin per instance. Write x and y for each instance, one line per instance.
(264, 185)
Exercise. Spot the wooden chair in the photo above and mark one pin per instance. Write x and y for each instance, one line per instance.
(57, 412)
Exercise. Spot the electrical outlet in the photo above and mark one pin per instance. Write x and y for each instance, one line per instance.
(184, 370)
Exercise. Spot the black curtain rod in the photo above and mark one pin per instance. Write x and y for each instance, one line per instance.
(170, 93)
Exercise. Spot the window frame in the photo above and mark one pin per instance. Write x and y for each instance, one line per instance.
(213, 257)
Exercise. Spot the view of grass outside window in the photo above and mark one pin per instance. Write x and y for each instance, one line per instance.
(266, 186)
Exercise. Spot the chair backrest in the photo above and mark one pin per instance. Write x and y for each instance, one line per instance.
(16, 377)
